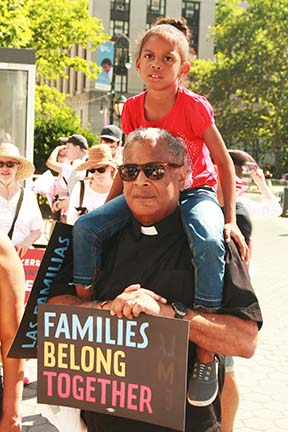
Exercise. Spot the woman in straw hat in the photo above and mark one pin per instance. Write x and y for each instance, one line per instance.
(92, 192)
(16, 201)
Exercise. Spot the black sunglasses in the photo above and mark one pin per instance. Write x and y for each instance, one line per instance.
(100, 170)
(152, 170)
(8, 164)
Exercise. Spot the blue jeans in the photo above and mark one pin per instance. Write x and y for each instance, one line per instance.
(203, 223)
(89, 233)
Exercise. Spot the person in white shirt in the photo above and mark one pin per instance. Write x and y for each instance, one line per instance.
(92, 192)
(76, 152)
(266, 205)
(18, 204)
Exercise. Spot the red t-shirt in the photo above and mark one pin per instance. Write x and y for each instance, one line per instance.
(189, 118)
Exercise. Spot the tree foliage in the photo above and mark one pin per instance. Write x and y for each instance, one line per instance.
(52, 28)
(248, 82)
(54, 118)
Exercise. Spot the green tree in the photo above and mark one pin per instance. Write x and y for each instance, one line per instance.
(248, 82)
(54, 118)
(52, 28)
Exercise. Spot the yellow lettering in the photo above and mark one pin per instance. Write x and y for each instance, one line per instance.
(49, 354)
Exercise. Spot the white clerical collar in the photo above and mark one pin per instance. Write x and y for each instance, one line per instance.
(149, 231)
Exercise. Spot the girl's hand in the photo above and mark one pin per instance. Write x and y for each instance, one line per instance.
(232, 230)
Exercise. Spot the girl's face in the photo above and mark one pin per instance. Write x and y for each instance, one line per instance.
(8, 170)
(160, 65)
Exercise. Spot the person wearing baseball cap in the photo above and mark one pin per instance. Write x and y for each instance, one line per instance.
(112, 136)
(76, 140)
(76, 147)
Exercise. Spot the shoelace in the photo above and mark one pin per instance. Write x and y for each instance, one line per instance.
(203, 371)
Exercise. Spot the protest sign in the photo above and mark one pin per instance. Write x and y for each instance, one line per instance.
(134, 368)
(58, 251)
(31, 263)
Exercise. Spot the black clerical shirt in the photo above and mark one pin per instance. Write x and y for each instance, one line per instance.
(159, 259)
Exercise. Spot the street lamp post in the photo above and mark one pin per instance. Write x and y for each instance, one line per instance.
(120, 65)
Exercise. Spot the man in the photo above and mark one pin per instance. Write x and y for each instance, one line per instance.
(149, 261)
(76, 152)
(112, 136)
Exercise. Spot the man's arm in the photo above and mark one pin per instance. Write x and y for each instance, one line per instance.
(12, 289)
(224, 334)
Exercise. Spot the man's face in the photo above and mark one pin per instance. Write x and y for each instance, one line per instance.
(73, 151)
(112, 144)
(149, 200)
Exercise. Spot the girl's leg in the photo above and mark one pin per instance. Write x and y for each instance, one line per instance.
(204, 222)
(90, 231)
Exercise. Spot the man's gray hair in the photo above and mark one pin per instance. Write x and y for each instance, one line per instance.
(176, 145)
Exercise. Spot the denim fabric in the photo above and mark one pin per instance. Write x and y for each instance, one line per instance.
(229, 364)
(89, 233)
(204, 222)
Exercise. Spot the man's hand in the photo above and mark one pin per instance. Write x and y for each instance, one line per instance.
(134, 300)
(232, 230)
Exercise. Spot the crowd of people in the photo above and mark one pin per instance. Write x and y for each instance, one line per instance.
(173, 207)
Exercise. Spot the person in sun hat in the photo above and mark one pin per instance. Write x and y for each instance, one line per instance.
(92, 192)
(15, 168)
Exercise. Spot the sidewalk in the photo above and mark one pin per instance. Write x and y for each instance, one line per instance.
(263, 380)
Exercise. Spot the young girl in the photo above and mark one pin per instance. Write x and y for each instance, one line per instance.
(162, 61)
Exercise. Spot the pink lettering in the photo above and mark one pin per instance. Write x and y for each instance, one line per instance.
(145, 399)
(118, 393)
(49, 376)
(78, 392)
(103, 382)
(89, 389)
(131, 397)
(64, 385)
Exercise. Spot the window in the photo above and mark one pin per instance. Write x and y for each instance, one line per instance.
(191, 11)
(155, 9)
(119, 30)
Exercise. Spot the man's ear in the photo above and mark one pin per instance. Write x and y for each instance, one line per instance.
(182, 173)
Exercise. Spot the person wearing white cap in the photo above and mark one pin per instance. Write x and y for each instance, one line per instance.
(92, 192)
(20, 215)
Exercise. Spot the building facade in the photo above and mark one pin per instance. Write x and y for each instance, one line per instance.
(126, 21)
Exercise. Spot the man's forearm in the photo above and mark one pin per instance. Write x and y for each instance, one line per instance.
(223, 334)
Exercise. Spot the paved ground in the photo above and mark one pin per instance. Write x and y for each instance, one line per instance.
(263, 380)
